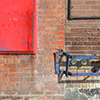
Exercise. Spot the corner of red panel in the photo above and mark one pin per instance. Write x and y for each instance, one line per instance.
(35, 27)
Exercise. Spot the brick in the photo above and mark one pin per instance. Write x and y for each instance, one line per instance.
(61, 10)
(61, 19)
(84, 25)
(78, 2)
(77, 43)
(51, 92)
(92, 52)
(58, 42)
(24, 83)
(77, 12)
(81, 38)
(61, 37)
(92, 39)
(95, 48)
(77, 29)
(43, 6)
(60, 6)
(51, 10)
(23, 74)
(96, 25)
(9, 60)
(68, 43)
(90, 2)
(40, 28)
(42, 1)
(10, 93)
(50, 6)
(47, 56)
(37, 92)
(23, 92)
(82, 7)
(50, 33)
(51, 28)
(9, 65)
(28, 70)
(52, 1)
(62, 1)
(44, 60)
(71, 34)
(51, 19)
(1, 56)
(69, 38)
(41, 19)
(41, 11)
(24, 65)
(4, 70)
(91, 43)
(9, 56)
(50, 47)
(29, 79)
(61, 28)
(16, 79)
(95, 34)
(95, 7)
(44, 97)
(43, 33)
(4, 79)
(10, 84)
(16, 60)
(79, 52)
(16, 70)
(85, 34)
(44, 24)
(16, 97)
(59, 33)
(44, 15)
(4, 97)
(53, 51)
(91, 30)
(58, 15)
(1, 65)
(86, 48)
(10, 74)
(2, 60)
(58, 24)
(58, 97)
(61, 46)
(1, 74)
(71, 48)
(3, 88)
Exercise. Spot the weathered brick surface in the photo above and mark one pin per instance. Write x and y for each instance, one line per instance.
(32, 77)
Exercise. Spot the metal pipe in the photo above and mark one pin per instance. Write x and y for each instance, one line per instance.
(80, 18)
(69, 10)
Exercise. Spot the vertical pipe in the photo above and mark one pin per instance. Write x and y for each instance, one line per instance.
(67, 65)
(57, 69)
(69, 10)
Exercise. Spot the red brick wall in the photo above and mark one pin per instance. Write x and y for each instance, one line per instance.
(33, 77)
(83, 36)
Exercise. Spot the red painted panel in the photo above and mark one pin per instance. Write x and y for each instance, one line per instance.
(18, 25)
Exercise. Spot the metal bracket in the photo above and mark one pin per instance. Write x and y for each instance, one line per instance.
(58, 58)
